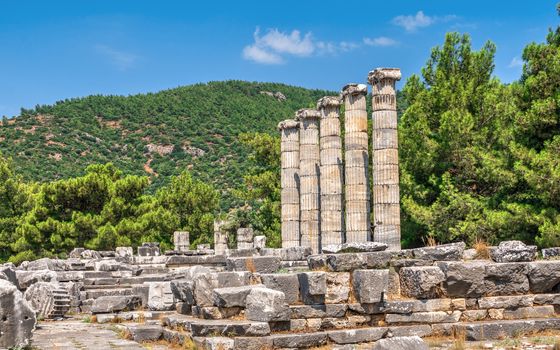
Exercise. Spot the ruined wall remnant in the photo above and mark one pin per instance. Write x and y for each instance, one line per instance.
(309, 178)
(289, 179)
(245, 238)
(220, 238)
(356, 163)
(331, 171)
(181, 241)
(386, 208)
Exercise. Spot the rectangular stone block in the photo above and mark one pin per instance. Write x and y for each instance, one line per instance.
(424, 317)
(370, 285)
(284, 282)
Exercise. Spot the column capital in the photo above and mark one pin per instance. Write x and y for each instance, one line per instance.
(328, 101)
(307, 113)
(354, 89)
(288, 124)
(379, 74)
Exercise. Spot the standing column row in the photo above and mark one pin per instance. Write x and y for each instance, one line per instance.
(386, 207)
(309, 178)
(331, 171)
(356, 163)
(289, 179)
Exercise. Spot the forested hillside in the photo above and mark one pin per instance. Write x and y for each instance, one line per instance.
(160, 134)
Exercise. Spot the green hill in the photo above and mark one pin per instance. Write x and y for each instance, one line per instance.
(161, 134)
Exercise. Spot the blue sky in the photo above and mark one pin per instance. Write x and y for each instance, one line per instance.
(52, 50)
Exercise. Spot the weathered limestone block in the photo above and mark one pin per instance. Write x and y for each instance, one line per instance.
(245, 238)
(252, 343)
(233, 296)
(544, 311)
(544, 276)
(401, 343)
(540, 299)
(505, 302)
(474, 315)
(286, 283)
(204, 284)
(220, 238)
(17, 317)
(353, 261)
(145, 332)
(355, 336)
(266, 305)
(502, 329)
(354, 247)
(506, 279)
(424, 317)
(318, 311)
(214, 343)
(124, 252)
(49, 300)
(299, 341)
(160, 296)
(421, 281)
(115, 303)
(409, 306)
(496, 314)
(27, 278)
(8, 273)
(183, 291)
(464, 279)
(295, 253)
(338, 287)
(370, 285)
(181, 241)
(513, 251)
(229, 328)
(259, 242)
(149, 249)
(260, 264)
(114, 265)
(47, 264)
(548, 253)
(367, 309)
(419, 330)
(444, 252)
(313, 287)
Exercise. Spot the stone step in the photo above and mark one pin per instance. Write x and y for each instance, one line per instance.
(106, 286)
(96, 293)
(228, 327)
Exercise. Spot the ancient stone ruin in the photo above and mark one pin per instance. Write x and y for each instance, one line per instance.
(338, 282)
(325, 194)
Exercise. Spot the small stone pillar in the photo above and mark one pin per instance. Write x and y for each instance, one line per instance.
(356, 163)
(386, 207)
(181, 241)
(245, 238)
(331, 183)
(289, 179)
(149, 249)
(259, 242)
(220, 238)
(309, 171)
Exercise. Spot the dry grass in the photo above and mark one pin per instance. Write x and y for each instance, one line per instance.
(430, 241)
(124, 333)
(481, 247)
(250, 265)
(460, 336)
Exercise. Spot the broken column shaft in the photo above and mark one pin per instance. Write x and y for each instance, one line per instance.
(356, 163)
(331, 171)
(289, 179)
(309, 178)
(386, 208)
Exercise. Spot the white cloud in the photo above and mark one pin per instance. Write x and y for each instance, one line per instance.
(380, 41)
(121, 59)
(259, 55)
(516, 62)
(274, 46)
(412, 22)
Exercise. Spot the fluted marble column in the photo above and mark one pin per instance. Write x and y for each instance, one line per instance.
(356, 163)
(331, 171)
(309, 178)
(289, 178)
(386, 207)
